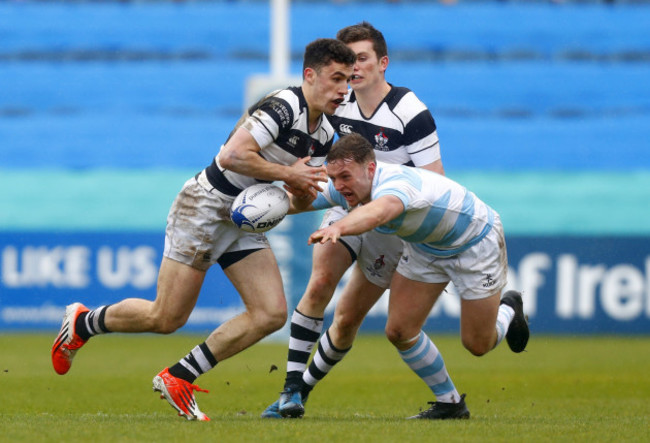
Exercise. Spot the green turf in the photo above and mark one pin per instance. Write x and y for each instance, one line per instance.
(561, 389)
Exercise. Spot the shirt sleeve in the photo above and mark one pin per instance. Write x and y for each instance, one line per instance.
(272, 117)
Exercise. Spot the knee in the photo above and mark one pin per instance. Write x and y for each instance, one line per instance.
(347, 325)
(270, 320)
(477, 346)
(321, 286)
(276, 320)
(399, 336)
(167, 324)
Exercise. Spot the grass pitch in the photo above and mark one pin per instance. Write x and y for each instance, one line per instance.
(561, 389)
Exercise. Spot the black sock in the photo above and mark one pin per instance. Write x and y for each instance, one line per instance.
(91, 323)
(304, 334)
(197, 362)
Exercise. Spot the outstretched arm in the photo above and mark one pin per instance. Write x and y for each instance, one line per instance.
(360, 220)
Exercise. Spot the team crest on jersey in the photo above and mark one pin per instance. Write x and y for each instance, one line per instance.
(381, 142)
(377, 266)
(311, 150)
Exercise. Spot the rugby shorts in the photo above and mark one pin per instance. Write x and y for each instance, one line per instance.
(477, 273)
(199, 229)
(377, 254)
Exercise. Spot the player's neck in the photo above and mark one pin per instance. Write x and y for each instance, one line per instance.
(369, 99)
(314, 120)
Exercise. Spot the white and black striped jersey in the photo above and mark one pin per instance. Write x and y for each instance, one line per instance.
(402, 130)
(279, 123)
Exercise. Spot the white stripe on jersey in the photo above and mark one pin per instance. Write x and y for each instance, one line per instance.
(401, 130)
(440, 215)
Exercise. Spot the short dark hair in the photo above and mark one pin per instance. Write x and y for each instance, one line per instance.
(352, 147)
(364, 31)
(323, 51)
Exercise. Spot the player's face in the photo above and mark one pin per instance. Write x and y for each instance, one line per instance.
(368, 70)
(353, 180)
(330, 86)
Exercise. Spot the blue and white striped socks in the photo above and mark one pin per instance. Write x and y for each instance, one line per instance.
(426, 361)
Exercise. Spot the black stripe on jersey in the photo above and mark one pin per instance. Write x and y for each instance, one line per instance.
(392, 98)
(395, 95)
(219, 181)
(279, 110)
(415, 129)
(301, 144)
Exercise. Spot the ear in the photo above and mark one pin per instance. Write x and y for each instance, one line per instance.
(372, 167)
(309, 75)
(383, 63)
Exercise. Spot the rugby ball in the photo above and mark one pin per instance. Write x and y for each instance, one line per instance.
(259, 208)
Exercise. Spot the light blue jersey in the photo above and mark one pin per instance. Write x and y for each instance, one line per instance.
(440, 217)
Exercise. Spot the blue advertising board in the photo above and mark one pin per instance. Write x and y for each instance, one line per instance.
(570, 284)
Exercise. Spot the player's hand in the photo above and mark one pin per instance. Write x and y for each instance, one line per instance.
(300, 194)
(300, 200)
(305, 178)
(324, 235)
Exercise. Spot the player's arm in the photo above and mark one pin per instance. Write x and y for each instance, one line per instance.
(241, 154)
(361, 219)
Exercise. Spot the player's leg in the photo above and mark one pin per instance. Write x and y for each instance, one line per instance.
(329, 263)
(416, 286)
(477, 324)
(485, 322)
(263, 297)
(357, 298)
(177, 291)
(377, 259)
(479, 277)
(409, 306)
(198, 237)
(266, 312)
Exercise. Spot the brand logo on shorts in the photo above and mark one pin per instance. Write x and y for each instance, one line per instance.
(377, 266)
(404, 258)
(489, 281)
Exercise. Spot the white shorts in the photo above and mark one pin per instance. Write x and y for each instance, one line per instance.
(199, 229)
(477, 273)
(377, 254)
